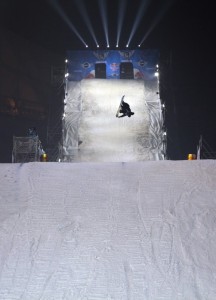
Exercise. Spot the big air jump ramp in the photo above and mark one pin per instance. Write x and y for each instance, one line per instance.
(91, 131)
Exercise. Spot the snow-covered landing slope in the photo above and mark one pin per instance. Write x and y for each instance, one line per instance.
(144, 230)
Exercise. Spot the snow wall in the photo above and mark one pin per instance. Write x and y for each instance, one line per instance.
(99, 231)
(91, 131)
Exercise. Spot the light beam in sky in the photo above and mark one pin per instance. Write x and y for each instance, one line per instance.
(158, 16)
(56, 6)
(141, 11)
(84, 13)
(103, 9)
(121, 14)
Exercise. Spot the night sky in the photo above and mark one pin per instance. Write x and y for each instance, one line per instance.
(183, 31)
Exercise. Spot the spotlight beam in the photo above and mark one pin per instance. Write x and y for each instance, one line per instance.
(121, 14)
(55, 5)
(161, 12)
(82, 9)
(140, 13)
(103, 8)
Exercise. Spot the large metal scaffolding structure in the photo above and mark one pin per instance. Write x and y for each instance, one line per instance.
(26, 149)
(204, 150)
(56, 108)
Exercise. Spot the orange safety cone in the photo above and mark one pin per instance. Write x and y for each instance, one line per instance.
(44, 157)
(191, 156)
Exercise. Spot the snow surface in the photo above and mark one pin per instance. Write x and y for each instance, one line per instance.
(93, 231)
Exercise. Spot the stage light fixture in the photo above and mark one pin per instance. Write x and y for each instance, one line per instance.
(127, 46)
(66, 75)
(156, 74)
(66, 61)
(107, 46)
(116, 46)
(138, 46)
(97, 46)
(86, 46)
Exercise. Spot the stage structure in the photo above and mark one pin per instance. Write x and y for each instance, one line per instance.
(95, 82)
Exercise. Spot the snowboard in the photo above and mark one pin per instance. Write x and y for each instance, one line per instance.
(119, 108)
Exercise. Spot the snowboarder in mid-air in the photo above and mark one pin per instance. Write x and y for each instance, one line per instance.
(124, 109)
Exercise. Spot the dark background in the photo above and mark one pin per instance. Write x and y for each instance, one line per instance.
(183, 31)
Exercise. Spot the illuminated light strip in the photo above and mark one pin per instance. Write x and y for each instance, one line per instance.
(141, 11)
(103, 9)
(64, 17)
(121, 14)
(82, 9)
